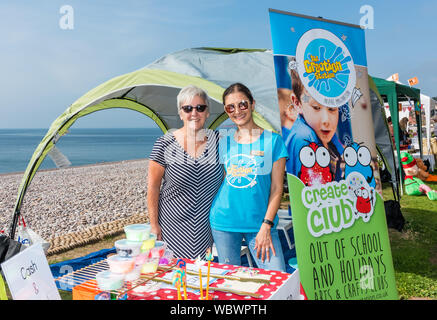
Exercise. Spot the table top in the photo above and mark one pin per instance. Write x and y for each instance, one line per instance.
(265, 291)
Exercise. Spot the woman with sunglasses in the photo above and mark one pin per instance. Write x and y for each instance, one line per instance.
(246, 205)
(186, 162)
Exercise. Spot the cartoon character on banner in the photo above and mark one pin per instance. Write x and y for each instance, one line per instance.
(315, 168)
(358, 159)
(362, 195)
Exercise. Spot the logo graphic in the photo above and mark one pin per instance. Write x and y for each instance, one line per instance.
(325, 67)
(315, 161)
(241, 171)
(362, 194)
(358, 158)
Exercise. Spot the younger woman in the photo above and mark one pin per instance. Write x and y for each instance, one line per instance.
(249, 197)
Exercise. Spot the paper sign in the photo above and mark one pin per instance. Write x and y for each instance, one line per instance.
(29, 277)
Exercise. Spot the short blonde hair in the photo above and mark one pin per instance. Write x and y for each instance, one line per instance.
(188, 93)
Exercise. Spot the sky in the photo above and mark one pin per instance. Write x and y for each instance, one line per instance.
(45, 67)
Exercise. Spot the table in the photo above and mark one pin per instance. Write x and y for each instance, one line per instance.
(283, 286)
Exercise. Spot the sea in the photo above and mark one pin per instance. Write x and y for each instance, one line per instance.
(81, 146)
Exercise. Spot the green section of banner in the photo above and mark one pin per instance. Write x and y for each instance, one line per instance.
(3, 295)
(351, 264)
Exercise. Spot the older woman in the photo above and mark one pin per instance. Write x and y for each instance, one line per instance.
(186, 162)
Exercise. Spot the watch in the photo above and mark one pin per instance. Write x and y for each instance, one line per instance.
(269, 222)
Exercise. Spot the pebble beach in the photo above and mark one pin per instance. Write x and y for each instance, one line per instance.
(74, 199)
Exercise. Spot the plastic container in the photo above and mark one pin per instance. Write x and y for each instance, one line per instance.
(107, 280)
(158, 250)
(118, 264)
(150, 265)
(148, 243)
(133, 275)
(128, 248)
(137, 232)
(141, 258)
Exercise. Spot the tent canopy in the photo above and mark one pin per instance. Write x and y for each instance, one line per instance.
(393, 93)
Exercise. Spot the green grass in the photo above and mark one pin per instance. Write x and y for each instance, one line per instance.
(414, 250)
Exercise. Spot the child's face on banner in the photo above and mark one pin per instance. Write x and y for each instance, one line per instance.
(323, 120)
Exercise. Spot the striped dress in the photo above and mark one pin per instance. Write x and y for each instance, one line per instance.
(187, 192)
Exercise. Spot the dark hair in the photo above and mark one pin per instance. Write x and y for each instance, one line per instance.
(237, 87)
(297, 84)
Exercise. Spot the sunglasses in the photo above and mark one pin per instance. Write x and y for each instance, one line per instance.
(199, 108)
(242, 105)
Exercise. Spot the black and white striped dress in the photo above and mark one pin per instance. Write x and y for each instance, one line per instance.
(188, 189)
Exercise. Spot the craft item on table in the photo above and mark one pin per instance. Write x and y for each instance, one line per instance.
(150, 265)
(146, 280)
(158, 250)
(137, 232)
(183, 266)
(235, 285)
(149, 243)
(128, 248)
(166, 258)
(107, 280)
(413, 185)
(141, 258)
(215, 274)
(198, 263)
(177, 280)
(228, 290)
(119, 264)
(209, 257)
(250, 273)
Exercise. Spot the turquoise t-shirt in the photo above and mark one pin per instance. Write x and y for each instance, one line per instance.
(241, 202)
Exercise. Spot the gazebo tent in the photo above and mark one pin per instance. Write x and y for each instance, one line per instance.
(393, 93)
(152, 91)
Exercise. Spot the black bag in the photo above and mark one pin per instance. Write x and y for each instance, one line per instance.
(393, 213)
(8, 248)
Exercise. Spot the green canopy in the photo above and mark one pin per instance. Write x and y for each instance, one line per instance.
(393, 93)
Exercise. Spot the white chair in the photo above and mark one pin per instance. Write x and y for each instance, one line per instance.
(285, 223)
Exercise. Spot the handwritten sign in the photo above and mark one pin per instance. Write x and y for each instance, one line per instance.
(29, 277)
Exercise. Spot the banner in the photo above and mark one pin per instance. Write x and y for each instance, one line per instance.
(340, 229)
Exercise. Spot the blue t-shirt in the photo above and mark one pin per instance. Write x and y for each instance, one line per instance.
(241, 203)
(300, 135)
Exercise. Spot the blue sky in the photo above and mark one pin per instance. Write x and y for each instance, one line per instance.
(46, 68)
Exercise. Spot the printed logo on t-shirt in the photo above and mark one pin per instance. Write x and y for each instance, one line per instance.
(241, 171)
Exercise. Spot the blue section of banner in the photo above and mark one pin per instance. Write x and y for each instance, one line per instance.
(286, 31)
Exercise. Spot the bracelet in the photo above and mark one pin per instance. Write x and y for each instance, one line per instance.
(269, 222)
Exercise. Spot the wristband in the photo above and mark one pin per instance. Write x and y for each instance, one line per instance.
(269, 222)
